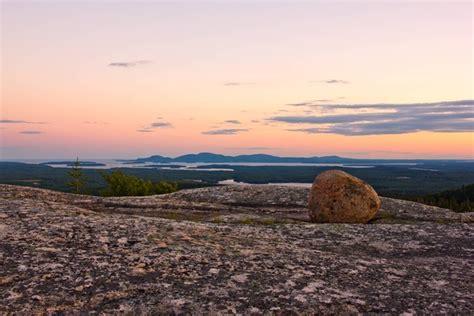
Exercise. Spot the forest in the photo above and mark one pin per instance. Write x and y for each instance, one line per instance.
(443, 184)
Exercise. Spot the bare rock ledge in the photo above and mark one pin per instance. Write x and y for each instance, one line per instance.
(227, 250)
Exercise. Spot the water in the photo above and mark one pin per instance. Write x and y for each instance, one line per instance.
(109, 163)
(191, 168)
(424, 169)
(112, 163)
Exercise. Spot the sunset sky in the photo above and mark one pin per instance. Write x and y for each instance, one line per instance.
(109, 79)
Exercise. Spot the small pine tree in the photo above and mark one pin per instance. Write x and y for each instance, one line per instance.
(78, 178)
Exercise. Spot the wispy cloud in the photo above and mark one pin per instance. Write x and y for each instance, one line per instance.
(309, 103)
(31, 132)
(233, 122)
(330, 81)
(323, 100)
(336, 81)
(127, 64)
(309, 130)
(316, 102)
(387, 118)
(155, 125)
(226, 131)
(160, 125)
(19, 122)
(236, 83)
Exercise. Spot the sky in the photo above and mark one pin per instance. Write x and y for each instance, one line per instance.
(110, 79)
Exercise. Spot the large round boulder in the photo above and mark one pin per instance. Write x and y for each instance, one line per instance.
(338, 197)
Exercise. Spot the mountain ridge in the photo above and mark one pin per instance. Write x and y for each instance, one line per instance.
(208, 157)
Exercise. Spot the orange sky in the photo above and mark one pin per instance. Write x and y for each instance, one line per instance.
(117, 80)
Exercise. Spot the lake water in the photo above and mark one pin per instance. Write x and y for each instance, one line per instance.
(111, 163)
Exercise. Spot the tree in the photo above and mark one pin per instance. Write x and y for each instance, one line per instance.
(78, 177)
(120, 184)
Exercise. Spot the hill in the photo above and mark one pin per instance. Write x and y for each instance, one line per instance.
(255, 158)
(206, 157)
(459, 200)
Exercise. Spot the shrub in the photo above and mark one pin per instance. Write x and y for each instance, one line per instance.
(120, 184)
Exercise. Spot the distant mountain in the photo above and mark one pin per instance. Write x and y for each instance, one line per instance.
(203, 157)
(256, 158)
(154, 159)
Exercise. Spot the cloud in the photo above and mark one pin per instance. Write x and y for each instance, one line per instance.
(128, 64)
(330, 81)
(232, 122)
(31, 132)
(335, 81)
(160, 125)
(323, 100)
(227, 131)
(235, 83)
(316, 102)
(305, 130)
(155, 125)
(19, 122)
(386, 118)
(310, 103)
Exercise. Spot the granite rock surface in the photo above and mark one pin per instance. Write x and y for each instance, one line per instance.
(227, 250)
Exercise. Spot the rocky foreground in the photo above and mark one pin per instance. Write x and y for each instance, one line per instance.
(227, 250)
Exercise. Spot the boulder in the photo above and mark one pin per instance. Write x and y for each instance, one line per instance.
(338, 197)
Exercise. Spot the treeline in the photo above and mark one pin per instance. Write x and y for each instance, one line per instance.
(390, 181)
(458, 200)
